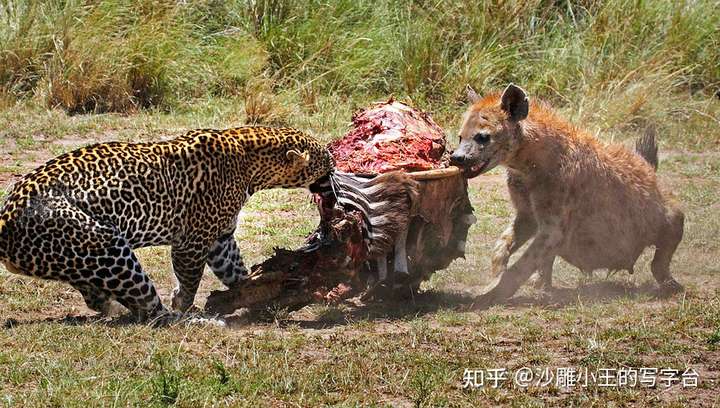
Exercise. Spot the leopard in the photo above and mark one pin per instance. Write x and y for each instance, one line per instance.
(79, 217)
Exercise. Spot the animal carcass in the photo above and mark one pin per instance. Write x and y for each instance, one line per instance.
(397, 214)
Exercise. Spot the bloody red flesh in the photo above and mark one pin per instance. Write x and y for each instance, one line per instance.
(389, 136)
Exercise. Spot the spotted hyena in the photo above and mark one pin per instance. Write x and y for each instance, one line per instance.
(596, 206)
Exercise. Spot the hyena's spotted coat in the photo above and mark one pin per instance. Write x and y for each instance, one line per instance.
(596, 206)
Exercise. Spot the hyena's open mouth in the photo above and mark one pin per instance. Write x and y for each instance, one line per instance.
(476, 169)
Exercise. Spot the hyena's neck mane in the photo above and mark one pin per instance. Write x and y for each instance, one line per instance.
(548, 142)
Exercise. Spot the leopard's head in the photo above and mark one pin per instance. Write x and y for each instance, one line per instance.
(303, 162)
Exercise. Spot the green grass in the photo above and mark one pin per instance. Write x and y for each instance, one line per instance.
(73, 73)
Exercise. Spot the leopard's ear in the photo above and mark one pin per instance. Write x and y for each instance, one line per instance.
(297, 158)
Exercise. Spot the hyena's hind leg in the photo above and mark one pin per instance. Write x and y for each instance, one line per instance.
(669, 239)
(226, 262)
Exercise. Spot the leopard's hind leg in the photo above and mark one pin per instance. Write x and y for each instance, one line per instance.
(95, 298)
(56, 240)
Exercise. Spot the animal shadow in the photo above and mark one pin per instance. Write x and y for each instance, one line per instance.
(432, 301)
(594, 292)
(407, 306)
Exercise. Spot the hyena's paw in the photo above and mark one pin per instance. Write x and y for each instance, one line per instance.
(540, 282)
(485, 301)
(491, 297)
(668, 288)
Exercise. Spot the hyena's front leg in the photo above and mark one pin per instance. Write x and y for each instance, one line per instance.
(515, 235)
(544, 278)
(543, 248)
(522, 228)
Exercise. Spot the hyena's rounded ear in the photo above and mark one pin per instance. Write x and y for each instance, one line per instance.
(515, 102)
(297, 158)
(472, 96)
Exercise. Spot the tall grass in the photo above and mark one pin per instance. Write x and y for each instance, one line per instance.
(122, 55)
(119, 56)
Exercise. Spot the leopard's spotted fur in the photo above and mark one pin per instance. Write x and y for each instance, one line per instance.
(78, 217)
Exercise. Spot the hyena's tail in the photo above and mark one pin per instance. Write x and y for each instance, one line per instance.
(646, 146)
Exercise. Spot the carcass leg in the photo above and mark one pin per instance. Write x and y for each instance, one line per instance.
(382, 268)
(401, 264)
(468, 220)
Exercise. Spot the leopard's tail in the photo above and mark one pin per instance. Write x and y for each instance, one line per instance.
(646, 146)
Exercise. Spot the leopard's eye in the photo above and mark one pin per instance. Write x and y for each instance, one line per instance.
(482, 138)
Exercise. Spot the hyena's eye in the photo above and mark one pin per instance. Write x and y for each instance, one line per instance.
(481, 137)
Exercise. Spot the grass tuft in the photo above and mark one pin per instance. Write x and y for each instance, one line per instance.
(166, 383)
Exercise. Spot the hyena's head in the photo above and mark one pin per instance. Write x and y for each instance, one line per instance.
(491, 130)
